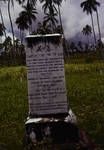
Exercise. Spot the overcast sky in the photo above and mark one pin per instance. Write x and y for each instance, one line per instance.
(72, 15)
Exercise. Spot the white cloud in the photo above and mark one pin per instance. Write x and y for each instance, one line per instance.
(75, 19)
(14, 13)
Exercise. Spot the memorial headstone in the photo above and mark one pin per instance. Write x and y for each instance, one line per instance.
(45, 72)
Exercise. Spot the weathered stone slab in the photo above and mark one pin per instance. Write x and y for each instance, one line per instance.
(46, 80)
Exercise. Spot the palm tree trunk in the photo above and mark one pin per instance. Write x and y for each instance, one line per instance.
(98, 25)
(64, 41)
(101, 52)
(11, 21)
(3, 26)
(93, 28)
(88, 39)
(0, 39)
(20, 35)
(29, 29)
(50, 12)
(60, 18)
(12, 50)
(2, 22)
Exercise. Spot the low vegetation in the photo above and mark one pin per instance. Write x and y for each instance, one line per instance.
(85, 87)
(85, 90)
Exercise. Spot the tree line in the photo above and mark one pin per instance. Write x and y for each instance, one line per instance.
(51, 23)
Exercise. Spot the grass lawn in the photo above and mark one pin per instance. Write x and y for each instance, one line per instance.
(85, 90)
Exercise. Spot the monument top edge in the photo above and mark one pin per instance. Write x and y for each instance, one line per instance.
(43, 36)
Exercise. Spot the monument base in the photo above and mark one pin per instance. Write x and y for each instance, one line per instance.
(56, 133)
(67, 117)
(57, 128)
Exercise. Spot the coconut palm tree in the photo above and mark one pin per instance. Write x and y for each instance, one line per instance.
(87, 30)
(30, 13)
(50, 13)
(94, 4)
(7, 44)
(22, 24)
(2, 28)
(9, 13)
(51, 20)
(58, 3)
(2, 22)
(20, 1)
(43, 28)
(88, 9)
(33, 2)
(48, 5)
(11, 3)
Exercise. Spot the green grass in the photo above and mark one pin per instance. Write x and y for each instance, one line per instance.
(85, 90)
(13, 107)
(85, 87)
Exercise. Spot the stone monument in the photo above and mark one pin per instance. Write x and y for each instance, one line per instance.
(45, 72)
(48, 99)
